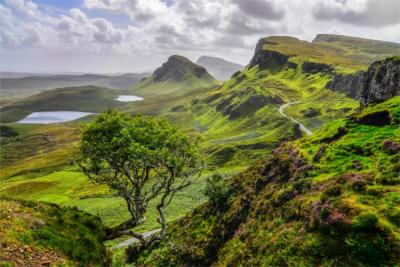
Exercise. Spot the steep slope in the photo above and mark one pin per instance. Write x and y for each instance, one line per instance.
(20, 87)
(174, 76)
(84, 98)
(219, 67)
(331, 199)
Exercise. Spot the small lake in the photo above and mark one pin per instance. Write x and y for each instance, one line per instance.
(128, 98)
(53, 117)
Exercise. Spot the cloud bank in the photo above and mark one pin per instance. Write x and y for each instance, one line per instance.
(93, 36)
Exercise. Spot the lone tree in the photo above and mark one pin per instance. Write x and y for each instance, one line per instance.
(143, 159)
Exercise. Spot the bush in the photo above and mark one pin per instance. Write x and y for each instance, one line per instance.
(365, 222)
(217, 191)
(370, 250)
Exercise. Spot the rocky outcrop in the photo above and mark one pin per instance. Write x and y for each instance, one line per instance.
(379, 83)
(313, 68)
(178, 69)
(265, 58)
(350, 84)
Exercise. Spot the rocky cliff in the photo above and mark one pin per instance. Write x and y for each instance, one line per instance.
(265, 58)
(379, 83)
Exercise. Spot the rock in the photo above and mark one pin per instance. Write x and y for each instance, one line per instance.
(378, 118)
(381, 81)
(37, 224)
(265, 58)
(350, 84)
(311, 112)
(313, 68)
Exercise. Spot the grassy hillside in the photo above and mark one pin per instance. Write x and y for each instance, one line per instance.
(37, 234)
(330, 199)
(85, 98)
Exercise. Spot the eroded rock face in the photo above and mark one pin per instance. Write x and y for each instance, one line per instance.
(350, 84)
(313, 68)
(381, 82)
(265, 58)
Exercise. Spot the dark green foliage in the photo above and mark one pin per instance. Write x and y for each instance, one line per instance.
(217, 191)
(365, 222)
(75, 234)
(371, 250)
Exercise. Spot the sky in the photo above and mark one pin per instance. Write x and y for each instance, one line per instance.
(108, 36)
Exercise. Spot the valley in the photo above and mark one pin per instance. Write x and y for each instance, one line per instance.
(277, 133)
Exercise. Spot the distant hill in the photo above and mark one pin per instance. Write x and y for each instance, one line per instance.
(175, 74)
(219, 67)
(20, 87)
(360, 49)
(87, 98)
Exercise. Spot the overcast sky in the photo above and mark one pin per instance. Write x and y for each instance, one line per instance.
(138, 35)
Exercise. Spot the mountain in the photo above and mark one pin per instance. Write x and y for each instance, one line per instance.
(330, 199)
(219, 67)
(88, 98)
(20, 87)
(177, 74)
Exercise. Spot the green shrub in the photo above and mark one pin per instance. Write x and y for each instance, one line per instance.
(216, 190)
(370, 250)
(365, 222)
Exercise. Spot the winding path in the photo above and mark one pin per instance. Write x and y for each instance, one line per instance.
(302, 127)
(134, 240)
